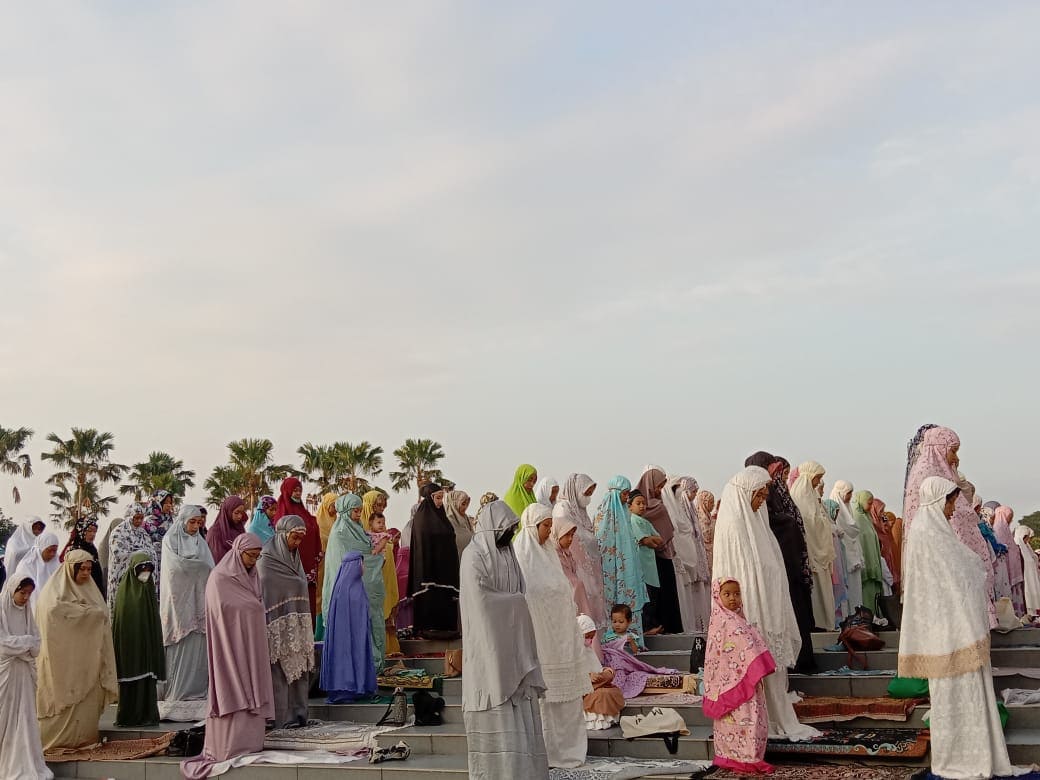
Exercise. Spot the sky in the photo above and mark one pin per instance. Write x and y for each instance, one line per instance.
(588, 236)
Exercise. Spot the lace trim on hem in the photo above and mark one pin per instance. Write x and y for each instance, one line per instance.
(933, 667)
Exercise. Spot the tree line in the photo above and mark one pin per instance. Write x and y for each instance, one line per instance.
(87, 481)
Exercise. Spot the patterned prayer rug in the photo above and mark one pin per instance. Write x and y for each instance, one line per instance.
(823, 709)
(823, 772)
(113, 750)
(321, 735)
(864, 743)
(664, 700)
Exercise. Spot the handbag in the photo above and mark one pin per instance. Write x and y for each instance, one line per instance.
(187, 743)
(429, 709)
(858, 639)
(397, 711)
(453, 662)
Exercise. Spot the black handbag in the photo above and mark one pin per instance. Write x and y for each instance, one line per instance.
(187, 743)
(429, 709)
(697, 652)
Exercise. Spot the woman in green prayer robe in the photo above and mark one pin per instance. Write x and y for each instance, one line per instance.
(137, 635)
(871, 573)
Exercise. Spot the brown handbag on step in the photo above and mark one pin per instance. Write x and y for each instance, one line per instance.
(453, 662)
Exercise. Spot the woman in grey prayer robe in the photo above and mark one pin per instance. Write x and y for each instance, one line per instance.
(187, 563)
(290, 637)
(503, 680)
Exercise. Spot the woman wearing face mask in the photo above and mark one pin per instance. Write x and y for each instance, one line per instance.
(137, 635)
(182, 610)
(39, 564)
(434, 561)
(126, 539)
(572, 504)
(77, 665)
(551, 604)
(21, 756)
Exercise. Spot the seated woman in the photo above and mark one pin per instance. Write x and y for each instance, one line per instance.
(604, 705)
(77, 664)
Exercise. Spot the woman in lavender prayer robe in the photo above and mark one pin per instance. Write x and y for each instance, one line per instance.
(241, 699)
(348, 668)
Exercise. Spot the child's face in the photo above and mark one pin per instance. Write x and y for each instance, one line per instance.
(729, 595)
(378, 524)
(619, 622)
(638, 505)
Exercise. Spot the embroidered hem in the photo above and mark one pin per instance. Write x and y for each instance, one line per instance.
(934, 667)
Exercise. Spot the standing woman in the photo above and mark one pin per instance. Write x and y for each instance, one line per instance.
(127, 538)
(348, 669)
(883, 529)
(21, 756)
(229, 525)
(546, 490)
(521, 493)
(841, 494)
(668, 611)
(503, 680)
(703, 504)
(434, 560)
(82, 538)
(182, 610)
(40, 564)
(574, 499)
(748, 552)
(374, 502)
(348, 536)
(622, 575)
(240, 697)
(945, 638)
(158, 520)
(325, 519)
(571, 554)
(558, 643)
(872, 574)
(261, 524)
(77, 664)
(290, 638)
(819, 541)
(1002, 517)
(138, 640)
(692, 570)
(456, 502)
(1030, 574)
(290, 502)
(21, 541)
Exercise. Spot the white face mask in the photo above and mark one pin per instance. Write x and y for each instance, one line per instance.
(144, 576)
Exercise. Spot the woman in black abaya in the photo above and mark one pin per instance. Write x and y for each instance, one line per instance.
(434, 562)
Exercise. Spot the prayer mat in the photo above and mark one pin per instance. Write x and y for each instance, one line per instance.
(409, 681)
(824, 772)
(336, 736)
(865, 743)
(823, 709)
(113, 750)
(665, 700)
(670, 683)
(627, 769)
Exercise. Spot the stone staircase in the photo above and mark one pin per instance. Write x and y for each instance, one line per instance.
(440, 752)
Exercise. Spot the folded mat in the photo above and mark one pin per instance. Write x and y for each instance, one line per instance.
(823, 709)
(866, 743)
(113, 750)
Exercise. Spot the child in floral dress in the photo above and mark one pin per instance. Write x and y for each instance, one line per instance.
(735, 664)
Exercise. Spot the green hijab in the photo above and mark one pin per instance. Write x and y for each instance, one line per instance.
(349, 536)
(518, 497)
(136, 629)
(868, 538)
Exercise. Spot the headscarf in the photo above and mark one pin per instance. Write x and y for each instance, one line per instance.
(818, 537)
(847, 523)
(187, 563)
(736, 658)
(260, 524)
(884, 534)
(290, 638)
(124, 542)
(574, 503)
(38, 570)
(689, 545)
(453, 501)
(551, 604)
(1002, 518)
(543, 489)
(1030, 574)
(222, 534)
(19, 544)
(76, 652)
(236, 636)
(501, 652)
(655, 511)
(368, 507)
(434, 554)
(705, 520)
(311, 549)
(136, 630)
(78, 541)
(19, 636)
(572, 560)
(518, 497)
(622, 574)
(945, 628)
(348, 536)
(747, 551)
(325, 518)
(156, 522)
(785, 521)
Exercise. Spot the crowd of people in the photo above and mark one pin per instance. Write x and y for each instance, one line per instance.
(176, 618)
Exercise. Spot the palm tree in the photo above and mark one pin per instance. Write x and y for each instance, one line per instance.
(249, 473)
(12, 460)
(161, 471)
(319, 464)
(84, 461)
(417, 459)
(355, 460)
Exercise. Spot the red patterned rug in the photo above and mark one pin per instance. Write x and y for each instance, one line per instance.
(824, 709)
(859, 743)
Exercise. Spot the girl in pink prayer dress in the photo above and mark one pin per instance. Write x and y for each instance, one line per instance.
(735, 664)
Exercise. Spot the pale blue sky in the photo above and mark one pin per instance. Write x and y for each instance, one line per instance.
(584, 235)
